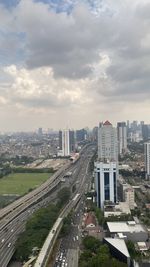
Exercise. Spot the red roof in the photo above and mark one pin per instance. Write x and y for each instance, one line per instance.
(107, 123)
(90, 219)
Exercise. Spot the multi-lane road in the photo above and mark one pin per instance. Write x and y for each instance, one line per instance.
(67, 255)
(14, 216)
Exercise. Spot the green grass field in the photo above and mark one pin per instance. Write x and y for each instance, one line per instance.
(20, 183)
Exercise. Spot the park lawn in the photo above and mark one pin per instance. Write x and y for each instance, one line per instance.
(20, 183)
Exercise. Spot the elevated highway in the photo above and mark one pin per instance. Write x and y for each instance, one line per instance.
(13, 218)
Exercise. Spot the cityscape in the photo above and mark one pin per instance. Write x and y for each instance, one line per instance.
(97, 182)
(74, 133)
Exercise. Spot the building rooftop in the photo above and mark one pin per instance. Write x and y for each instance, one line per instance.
(90, 219)
(119, 244)
(107, 123)
(123, 227)
(116, 210)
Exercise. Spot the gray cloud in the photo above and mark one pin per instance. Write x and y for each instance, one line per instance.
(86, 63)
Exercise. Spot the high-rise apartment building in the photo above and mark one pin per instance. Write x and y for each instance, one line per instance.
(122, 137)
(147, 159)
(107, 142)
(105, 182)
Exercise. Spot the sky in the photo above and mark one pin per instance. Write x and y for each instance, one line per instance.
(73, 63)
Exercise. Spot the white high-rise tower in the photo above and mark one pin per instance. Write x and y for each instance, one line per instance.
(107, 142)
(122, 137)
(65, 143)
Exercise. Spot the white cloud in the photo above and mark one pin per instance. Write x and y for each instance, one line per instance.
(79, 67)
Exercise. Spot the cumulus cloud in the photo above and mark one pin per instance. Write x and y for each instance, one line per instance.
(38, 88)
(90, 58)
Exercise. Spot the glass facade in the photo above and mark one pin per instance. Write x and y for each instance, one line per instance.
(115, 187)
(98, 192)
(106, 186)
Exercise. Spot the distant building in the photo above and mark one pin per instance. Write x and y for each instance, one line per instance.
(40, 131)
(72, 140)
(66, 142)
(122, 137)
(60, 140)
(95, 134)
(147, 159)
(105, 182)
(145, 132)
(81, 135)
(107, 142)
(135, 136)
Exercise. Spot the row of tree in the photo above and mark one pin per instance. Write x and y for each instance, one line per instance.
(96, 254)
(38, 227)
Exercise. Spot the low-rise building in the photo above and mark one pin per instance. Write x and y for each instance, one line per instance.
(122, 208)
(118, 249)
(133, 231)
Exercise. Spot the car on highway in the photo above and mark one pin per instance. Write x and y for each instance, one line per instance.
(9, 245)
(3, 240)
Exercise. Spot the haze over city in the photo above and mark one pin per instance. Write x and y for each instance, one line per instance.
(73, 63)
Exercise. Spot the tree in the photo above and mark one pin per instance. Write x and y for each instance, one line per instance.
(91, 243)
(63, 196)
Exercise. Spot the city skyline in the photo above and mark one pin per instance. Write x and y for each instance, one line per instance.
(73, 62)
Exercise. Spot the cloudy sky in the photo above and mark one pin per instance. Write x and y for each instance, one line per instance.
(73, 62)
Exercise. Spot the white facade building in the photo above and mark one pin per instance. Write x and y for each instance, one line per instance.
(107, 142)
(65, 143)
(122, 137)
(106, 182)
(147, 159)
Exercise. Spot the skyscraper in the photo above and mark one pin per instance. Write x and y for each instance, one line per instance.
(71, 140)
(106, 167)
(60, 139)
(147, 159)
(66, 141)
(107, 142)
(106, 182)
(145, 132)
(122, 137)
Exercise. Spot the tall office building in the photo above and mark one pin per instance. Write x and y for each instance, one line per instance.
(66, 142)
(107, 142)
(72, 140)
(122, 137)
(145, 132)
(60, 139)
(147, 159)
(105, 182)
(106, 167)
